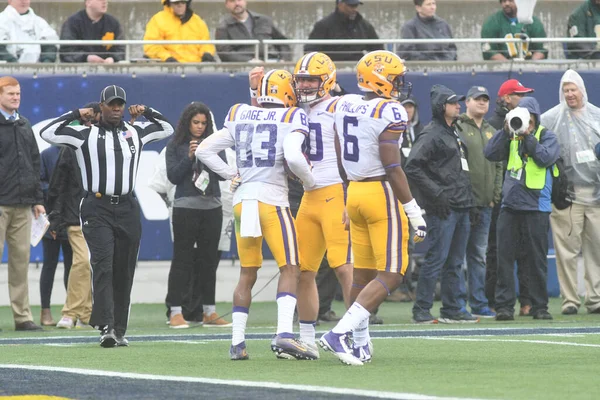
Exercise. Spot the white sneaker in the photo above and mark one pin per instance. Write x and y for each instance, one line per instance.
(65, 323)
(81, 325)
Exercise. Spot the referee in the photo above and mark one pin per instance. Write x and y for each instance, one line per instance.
(108, 155)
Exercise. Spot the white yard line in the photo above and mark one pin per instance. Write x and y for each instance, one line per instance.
(254, 384)
(459, 339)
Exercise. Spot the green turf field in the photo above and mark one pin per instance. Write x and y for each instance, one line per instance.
(558, 366)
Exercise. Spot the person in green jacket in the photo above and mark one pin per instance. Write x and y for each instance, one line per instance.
(504, 24)
(584, 22)
(486, 182)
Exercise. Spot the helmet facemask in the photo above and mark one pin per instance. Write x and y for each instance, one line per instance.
(401, 89)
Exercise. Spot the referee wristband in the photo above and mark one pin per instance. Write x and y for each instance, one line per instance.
(253, 93)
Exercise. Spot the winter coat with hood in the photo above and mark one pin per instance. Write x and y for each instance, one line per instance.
(412, 132)
(578, 132)
(515, 195)
(165, 25)
(28, 26)
(434, 166)
(486, 176)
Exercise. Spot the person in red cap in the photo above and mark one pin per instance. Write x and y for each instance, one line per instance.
(509, 95)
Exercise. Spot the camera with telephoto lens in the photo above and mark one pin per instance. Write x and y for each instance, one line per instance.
(518, 121)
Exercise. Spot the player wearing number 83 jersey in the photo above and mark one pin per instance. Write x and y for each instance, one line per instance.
(263, 137)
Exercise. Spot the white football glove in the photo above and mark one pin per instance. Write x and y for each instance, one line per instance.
(236, 181)
(413, 212)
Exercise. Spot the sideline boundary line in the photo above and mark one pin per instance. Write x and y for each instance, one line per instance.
(239, 383)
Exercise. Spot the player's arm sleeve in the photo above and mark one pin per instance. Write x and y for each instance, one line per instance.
(292, 152)
(208, 153)
(58, 131)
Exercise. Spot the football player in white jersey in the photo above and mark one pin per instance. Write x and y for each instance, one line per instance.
(263, 138)
(319, 219)
(368, 131)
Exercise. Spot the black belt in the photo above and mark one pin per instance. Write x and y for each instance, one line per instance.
(111, 198)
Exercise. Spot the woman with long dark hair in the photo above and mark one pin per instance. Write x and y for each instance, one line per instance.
(197, 218)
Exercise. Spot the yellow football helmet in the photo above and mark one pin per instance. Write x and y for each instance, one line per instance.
(383, 72)
(317, 66)
(276, 87)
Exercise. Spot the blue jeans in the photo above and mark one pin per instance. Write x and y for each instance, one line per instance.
(447, 244)
(475, 260)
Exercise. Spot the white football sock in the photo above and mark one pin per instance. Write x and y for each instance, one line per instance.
(239, 320)
(361, 333)
(352, 319)
(286, 304)
(307, 332)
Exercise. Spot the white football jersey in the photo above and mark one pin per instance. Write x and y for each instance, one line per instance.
(320, 144)
(359, 123)
(258, 134)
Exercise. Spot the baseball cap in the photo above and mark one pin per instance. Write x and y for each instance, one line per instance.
(513, 86)
(111, 93)
(455, 98)
(350, 2)
(477, 91)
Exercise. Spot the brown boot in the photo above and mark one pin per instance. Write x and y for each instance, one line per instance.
(46, 318)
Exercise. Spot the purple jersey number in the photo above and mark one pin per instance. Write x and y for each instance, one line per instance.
(351, 151)
(314, 142)
(244, 134)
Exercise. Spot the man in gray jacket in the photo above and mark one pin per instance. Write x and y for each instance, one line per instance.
(427, 25)
(245, 25)
(486, 181)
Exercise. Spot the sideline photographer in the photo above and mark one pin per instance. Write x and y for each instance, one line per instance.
(531, 151)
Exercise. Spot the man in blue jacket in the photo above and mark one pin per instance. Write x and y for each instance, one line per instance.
(525, 213)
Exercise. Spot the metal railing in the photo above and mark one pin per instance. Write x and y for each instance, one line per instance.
(394, 43)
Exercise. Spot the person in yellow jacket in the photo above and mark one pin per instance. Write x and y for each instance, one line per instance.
(177, 21)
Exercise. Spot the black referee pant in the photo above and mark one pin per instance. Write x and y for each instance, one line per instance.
(112, 230)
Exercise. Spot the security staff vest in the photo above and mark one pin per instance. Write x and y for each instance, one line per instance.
(535, 176)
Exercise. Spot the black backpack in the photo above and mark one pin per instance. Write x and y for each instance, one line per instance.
(560, 186)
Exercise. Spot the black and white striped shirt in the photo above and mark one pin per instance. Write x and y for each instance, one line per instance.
(107, 156)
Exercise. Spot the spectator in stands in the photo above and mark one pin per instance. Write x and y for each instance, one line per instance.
(437, 172)
(486, 181)
(576, 229)
(504, 24)
(19, 22)
(524, 218)
(509, 95)
(345, 23)
(197, 217)
(245, 25)
(92, 23)
(584, 22)
(51, 243)
(20, 196)
(427, 25)
(177, 21)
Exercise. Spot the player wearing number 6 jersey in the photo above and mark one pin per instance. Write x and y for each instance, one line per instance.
(368, 131)
(263, 137)
(319, 219)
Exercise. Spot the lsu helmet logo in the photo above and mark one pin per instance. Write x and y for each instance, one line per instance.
(273, 89)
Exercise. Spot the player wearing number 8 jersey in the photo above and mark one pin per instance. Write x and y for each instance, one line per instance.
(262, 138)
(368, 131)
(319, 218)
